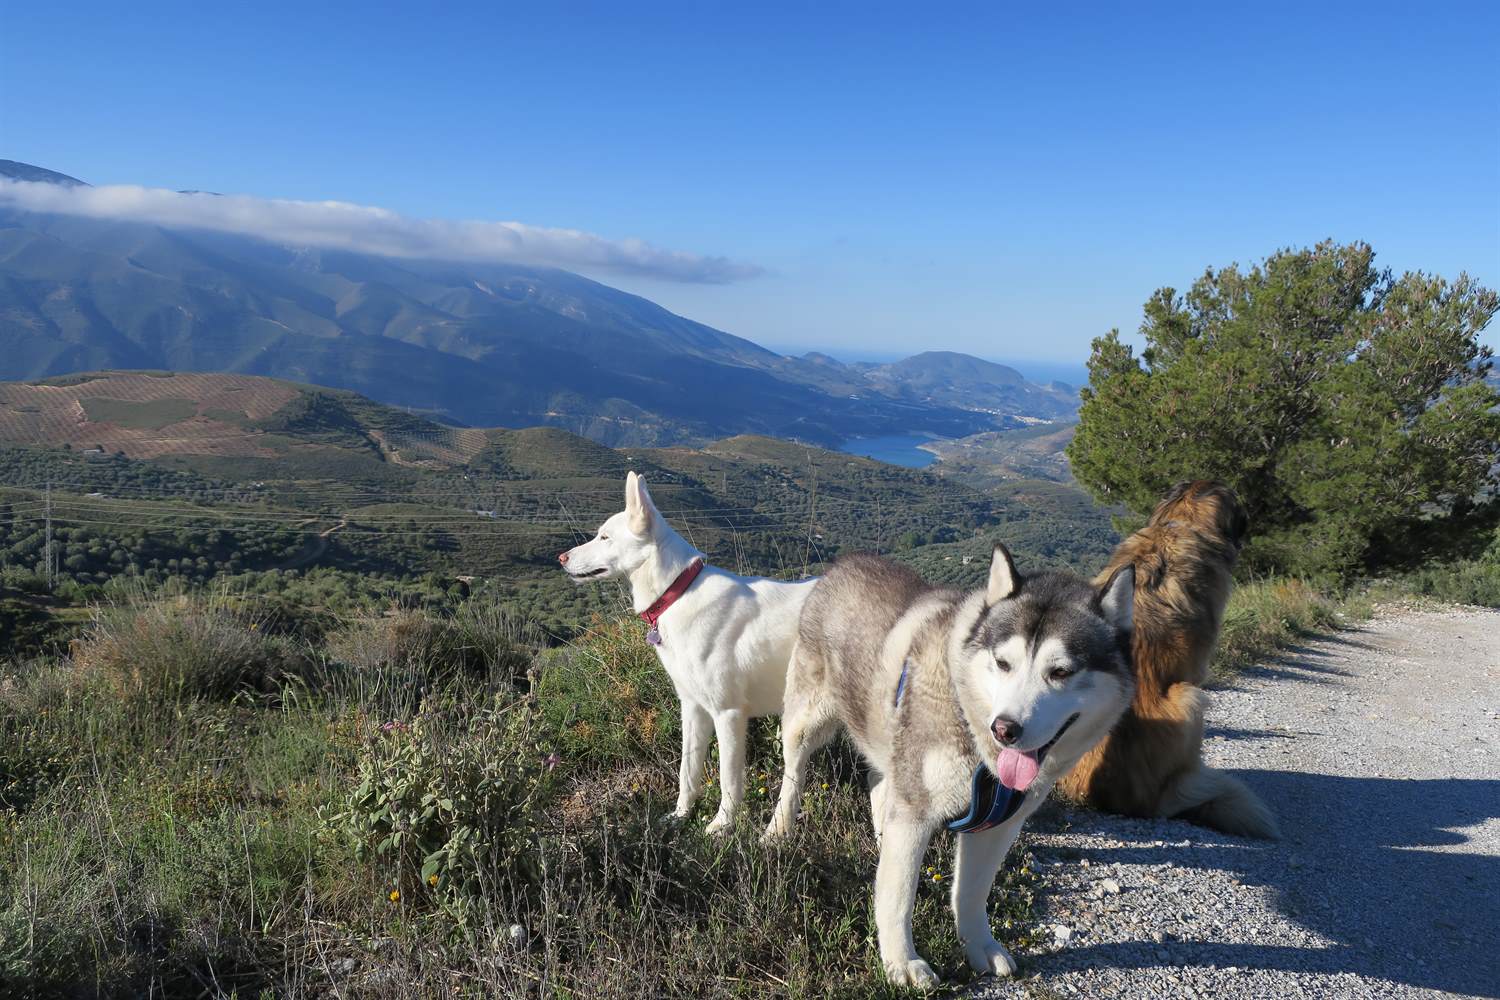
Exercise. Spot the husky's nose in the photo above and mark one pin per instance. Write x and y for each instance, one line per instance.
(562, 557)
(1007, 731)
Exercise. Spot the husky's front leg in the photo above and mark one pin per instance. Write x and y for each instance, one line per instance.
(730, 727)
(880, 788)
(697, 727)
(902, 845)
(978, 861)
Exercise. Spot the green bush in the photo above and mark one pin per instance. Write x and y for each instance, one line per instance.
(607, 699)
(446, 810)
(1469, 581)
(255, 844)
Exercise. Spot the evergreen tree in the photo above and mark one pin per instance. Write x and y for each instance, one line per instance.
(1348, 407)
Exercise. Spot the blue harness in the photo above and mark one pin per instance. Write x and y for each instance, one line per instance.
(990, 803)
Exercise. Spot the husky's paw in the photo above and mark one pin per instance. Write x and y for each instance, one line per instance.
(720, 825)
(990, 958)
(914, 973)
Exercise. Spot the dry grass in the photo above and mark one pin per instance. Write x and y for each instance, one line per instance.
(193, 646)
(1268, 615)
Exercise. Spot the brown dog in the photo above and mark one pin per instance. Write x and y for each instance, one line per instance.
(1150, 763)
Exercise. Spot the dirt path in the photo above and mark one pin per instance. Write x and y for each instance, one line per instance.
(1379, 748)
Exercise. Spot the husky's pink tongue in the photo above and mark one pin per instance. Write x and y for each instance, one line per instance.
(1017, 769)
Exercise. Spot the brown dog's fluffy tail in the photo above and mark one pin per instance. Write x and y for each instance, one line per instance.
(1215, 799)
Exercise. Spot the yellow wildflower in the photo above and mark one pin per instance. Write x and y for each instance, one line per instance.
(395, 895)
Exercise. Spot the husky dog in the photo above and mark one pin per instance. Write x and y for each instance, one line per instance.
(964, 705)
(725, 640)
(1151, 764)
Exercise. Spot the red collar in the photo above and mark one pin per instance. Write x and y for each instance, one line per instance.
(677, 589)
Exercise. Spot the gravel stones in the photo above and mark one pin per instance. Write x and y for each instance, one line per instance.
(1379, 749)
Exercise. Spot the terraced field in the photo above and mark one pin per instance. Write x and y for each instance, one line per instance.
(144, 414)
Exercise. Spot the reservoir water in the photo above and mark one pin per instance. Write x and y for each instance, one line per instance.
(897, 449)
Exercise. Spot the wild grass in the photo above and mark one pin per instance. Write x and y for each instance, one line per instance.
(441, 811)
(192, 646)
(1265, 616)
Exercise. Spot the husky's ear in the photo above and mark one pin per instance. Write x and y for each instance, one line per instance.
(1004, 580)
(639, 510)
(1117, 598)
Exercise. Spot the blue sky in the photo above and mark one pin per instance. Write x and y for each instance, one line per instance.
(989, 178)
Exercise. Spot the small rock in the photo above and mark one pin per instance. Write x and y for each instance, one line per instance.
(1062, 933)
(348, 965)
(1110, 886)
(518, 935)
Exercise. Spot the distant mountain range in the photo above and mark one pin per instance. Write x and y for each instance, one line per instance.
(472, 344)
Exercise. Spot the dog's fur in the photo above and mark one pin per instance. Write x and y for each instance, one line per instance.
(1150, 764)
(1047, 654)
(725, 643)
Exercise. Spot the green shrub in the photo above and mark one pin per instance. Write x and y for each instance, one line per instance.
(607, 699)
(1347, 406)
(446, 809)
(1470, 581)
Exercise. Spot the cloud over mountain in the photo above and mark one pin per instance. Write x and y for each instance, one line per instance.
(368, 229)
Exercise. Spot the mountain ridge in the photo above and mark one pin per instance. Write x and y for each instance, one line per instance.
(481, 344)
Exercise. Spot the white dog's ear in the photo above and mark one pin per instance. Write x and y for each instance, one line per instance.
(1117, 598)
(639, 510)
(1004, 580)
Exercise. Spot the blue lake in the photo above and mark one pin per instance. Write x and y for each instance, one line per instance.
(897, 449)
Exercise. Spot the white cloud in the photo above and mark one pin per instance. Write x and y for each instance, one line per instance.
(373, 230)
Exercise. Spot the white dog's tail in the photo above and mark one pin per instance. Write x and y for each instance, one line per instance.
(1218, 800)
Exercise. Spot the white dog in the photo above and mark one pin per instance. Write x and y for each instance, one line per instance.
(725, 640)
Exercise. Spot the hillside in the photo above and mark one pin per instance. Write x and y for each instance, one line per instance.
(951, 379)
(995, 457)
(155, 475)
(478, 344)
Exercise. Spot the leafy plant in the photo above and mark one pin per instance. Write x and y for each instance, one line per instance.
(447, 811)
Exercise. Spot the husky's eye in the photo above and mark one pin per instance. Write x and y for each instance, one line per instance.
(1059, 674)
(1002, 665)
(603, 537)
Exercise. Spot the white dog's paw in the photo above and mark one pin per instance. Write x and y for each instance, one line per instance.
(777, 829)
(914, 973)
(990, 958)
(720, 824)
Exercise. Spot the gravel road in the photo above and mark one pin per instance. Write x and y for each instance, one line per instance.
(1379, 748)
